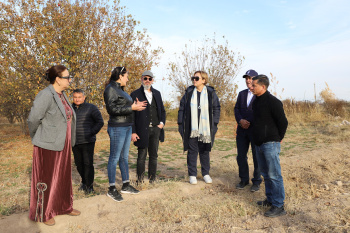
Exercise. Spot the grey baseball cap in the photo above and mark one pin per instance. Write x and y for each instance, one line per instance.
(148, 73)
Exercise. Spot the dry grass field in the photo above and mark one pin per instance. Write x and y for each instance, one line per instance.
(315, 166)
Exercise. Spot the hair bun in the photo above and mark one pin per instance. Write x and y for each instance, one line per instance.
(47, 75)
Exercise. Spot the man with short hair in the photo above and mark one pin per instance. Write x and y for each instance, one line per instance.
(269, 127)
(148, 125)
(89, 123)
(244, 118)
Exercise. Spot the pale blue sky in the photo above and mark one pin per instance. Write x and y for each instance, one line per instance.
(300, 42)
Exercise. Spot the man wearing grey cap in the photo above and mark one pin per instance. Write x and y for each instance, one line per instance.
(148, 125)
(244, 118)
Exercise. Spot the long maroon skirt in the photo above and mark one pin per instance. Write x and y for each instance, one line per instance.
(51, 188)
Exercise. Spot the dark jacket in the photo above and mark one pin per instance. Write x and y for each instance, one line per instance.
(89, 122)
(184, 116)
(242, 111)
(141, 121)
(118, 105)
(270, 122)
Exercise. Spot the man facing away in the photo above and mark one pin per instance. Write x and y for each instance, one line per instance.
(269, 127)
(148, 125)
(89, 123)
(244, 118)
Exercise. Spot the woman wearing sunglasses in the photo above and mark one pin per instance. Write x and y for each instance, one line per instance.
(120, 108)
(51, 125)
(198, 117)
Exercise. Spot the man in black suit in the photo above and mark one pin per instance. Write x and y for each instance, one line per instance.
(148, 125)
(244, 118)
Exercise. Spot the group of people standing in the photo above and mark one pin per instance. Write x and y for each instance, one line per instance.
(56, 127)
(262, 124)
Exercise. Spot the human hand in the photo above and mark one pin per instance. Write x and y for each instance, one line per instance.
(244, 124)
(160, 126)
(134, 137)
(138, 105)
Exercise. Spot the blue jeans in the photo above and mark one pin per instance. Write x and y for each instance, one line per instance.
(270, 168)
(120, 138)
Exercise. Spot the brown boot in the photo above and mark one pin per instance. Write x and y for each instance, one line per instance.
(74, 213)
(50, 222)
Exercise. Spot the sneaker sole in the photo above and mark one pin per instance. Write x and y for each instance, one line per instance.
(113, 198)
(265, 205)
(129, 192)
(193, 182)
(209, 182)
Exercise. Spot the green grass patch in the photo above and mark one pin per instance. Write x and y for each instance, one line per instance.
(101, 181)
(224, 145)
(229, 155)
(103, 165)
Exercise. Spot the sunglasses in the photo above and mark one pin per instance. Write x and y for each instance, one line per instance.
(195, 78)
(147, 78)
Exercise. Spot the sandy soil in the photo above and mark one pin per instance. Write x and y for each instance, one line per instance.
(317, 200)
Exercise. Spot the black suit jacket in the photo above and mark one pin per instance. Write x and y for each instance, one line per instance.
(242, 111)
(141, 121)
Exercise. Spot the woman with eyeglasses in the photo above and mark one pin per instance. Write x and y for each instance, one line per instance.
(120, 108)
(51, 125)
(198, 117)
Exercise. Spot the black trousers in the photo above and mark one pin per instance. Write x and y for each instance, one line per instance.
(195, 147)
(84, 160)
(153, 143)
(243, 139)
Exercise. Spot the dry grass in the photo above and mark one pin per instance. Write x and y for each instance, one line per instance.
(314, 161)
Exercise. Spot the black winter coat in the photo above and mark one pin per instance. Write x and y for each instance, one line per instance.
(141, 121)
(118, 105)
(270, 123)
(89, 123)
(184, 116)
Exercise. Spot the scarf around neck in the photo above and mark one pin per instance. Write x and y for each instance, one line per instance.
(203, 131)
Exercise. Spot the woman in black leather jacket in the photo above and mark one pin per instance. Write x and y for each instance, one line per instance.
(120, 107)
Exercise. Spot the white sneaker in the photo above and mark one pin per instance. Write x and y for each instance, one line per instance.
(207, 179)
(193, 180)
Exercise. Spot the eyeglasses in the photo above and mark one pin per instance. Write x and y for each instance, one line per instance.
(147, 78)
(67, 77)
(195, 78)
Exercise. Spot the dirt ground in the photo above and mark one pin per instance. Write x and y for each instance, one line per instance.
(315, 168)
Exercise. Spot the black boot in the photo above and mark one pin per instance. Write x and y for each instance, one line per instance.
(275, 212)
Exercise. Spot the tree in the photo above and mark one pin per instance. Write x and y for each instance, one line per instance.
(221, 64)
(90, 37)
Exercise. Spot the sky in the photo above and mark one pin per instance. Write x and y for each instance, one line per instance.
(304, 44)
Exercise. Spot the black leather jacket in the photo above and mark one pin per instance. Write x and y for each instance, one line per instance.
(118, 105)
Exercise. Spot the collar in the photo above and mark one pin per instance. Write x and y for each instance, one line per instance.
(75, 106)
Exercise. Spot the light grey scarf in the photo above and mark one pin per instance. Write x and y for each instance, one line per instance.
(203, 131)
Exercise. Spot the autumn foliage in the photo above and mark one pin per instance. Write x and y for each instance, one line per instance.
(220, 62)
(89, 37)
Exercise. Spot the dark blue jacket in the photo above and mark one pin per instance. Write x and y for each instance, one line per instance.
(184, 116)
(242, 111)
(141, 121)
(89, 123)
